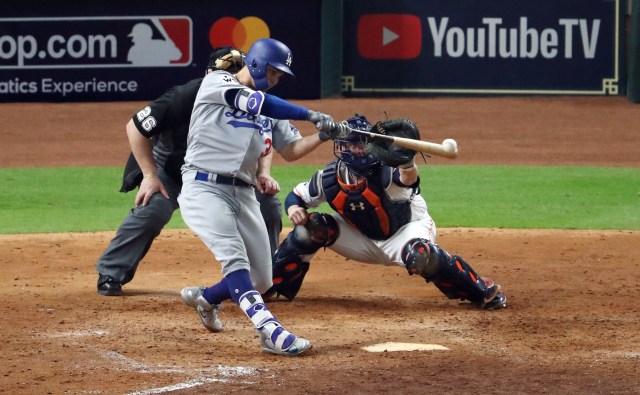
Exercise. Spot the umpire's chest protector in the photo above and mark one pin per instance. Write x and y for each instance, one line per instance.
(366, 205)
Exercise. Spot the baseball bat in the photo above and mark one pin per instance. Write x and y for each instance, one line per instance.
(158, 25)
(448, 148)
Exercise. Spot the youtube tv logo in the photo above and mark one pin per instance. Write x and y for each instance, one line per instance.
(389, 36)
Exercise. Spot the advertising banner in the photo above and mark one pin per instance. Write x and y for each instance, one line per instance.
(470, 47)
(53, 51)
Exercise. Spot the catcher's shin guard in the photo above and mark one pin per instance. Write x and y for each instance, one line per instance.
(289, 268)
(288, 272)
(454, 277)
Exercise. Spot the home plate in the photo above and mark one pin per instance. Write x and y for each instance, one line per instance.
(392, 346)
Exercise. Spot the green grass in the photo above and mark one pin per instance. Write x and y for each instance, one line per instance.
(87, 199)
(533, 197)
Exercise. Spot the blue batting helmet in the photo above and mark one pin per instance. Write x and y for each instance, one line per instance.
(263, 52)
(360, 162)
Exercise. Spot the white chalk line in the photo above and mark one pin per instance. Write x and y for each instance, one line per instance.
(131, 365)
(180, 386)
(79, 333)
(176, 387)
(221, 373)
(119, 361)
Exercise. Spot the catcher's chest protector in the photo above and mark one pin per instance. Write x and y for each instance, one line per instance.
(366, 206)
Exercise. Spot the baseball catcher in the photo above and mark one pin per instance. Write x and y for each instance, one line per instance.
(380, 218)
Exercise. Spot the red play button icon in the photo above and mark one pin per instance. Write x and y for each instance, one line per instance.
(389, 36)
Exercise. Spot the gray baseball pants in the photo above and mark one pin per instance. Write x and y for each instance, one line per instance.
(143, 224)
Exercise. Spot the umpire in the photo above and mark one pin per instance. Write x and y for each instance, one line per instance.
(158, 138)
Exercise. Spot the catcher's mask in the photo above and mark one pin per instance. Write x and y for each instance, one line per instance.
(263, 52)
(352, 149)
(225, 58)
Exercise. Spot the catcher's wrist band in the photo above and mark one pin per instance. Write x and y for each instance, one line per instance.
(293, 199)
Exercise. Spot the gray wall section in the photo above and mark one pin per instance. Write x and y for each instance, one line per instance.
(331, 48)
(633, 81)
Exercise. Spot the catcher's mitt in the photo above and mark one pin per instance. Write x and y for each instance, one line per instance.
(388, 153)
(226, 58)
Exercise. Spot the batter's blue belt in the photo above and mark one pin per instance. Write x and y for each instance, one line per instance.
(220, 179)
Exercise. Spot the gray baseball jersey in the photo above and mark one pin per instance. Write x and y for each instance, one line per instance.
(227, 140)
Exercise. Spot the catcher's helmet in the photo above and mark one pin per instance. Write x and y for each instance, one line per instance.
(263, 52)
(351, 150)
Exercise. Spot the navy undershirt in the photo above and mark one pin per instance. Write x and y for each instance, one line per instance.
(275, 107)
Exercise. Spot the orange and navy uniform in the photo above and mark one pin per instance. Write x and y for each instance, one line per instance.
(366, 205)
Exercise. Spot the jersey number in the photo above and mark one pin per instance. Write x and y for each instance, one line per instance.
(149, 123)
(146, 122)
(267, 150)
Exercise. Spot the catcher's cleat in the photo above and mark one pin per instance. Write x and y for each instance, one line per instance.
(499, 302)
(494, 298)
(282, 342)
(193, 296)
(270, 295)
(107, 286)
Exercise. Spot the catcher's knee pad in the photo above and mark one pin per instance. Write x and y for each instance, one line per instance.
(454, 277)
(321, 230)
(416, 256)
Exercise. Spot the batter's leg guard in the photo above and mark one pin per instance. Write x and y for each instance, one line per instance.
(289, 269)
(454, 277)
(274, 338)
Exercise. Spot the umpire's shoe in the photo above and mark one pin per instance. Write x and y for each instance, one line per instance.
(107, 286)
(193, 296)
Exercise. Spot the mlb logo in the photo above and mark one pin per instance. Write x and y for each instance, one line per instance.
(389, 36)
(160, 41)
(96, 41)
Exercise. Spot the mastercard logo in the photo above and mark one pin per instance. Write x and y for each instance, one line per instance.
(238, 33)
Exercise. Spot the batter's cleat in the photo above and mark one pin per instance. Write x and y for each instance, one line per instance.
(107, 286)
(494, 298)
(282, 342)
(193, 296)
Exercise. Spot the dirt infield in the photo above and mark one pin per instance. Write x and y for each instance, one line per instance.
(572, 324)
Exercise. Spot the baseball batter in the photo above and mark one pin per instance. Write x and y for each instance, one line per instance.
(380, 218)
(158, 137)
(233, 124)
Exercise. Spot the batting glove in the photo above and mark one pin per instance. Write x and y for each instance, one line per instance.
(315, 117)
(329, 130)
